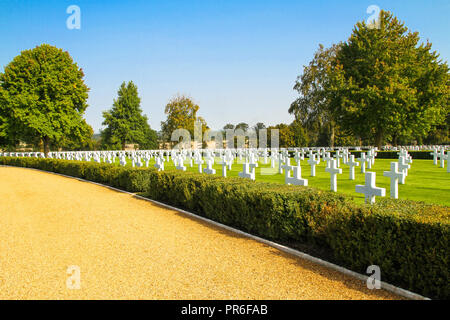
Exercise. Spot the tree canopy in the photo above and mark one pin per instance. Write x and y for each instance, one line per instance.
(43, 99)
(125, 122)
(387, 85)
(313, 109)
(181, 113)
(381, 85)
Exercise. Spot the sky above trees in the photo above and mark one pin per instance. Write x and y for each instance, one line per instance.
(238, 60)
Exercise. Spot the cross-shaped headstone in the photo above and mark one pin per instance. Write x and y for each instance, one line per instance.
(313, 163)
(352, 164)
(403, 167)
(246, 173)
(369, 189)
(435, 155)
(180, 163)
(333, 170)
(224, 166)
(287, 168)
(209, 169)
(159, 163)
(395, 176)
(442, 158)
(327, 158)
(298, 157)
(363, 160)
(199, 161)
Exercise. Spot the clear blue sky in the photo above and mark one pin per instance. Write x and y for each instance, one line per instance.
(237, 59)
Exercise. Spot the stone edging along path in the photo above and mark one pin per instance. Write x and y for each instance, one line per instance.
(384, 285)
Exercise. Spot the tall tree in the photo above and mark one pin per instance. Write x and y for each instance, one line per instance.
(285, 136)
(387, 84)
(181, 113)
(259, 126)
(313, 107)
(244, 126)
(125, 122)
(42, 98)
(228, 126)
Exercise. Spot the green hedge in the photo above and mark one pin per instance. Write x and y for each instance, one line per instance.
(408, 240)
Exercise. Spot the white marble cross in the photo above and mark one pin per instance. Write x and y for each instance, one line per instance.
(313, 163)
(352, 164)
(363, 160)
(296, 179)
(247, 172)
(97, 158)
(287, 168)
(224, 166)
(265, 154)
(138, 162)
(147, 158)
(395, 176)
(403, 167)
(209, 169)
(280, 163)
(369, 189)
(370, 158)
(273, 159)
(180, 163)
(442, 158)
(199, 161)
(159, 163)
(123, 160)
(447, 157)
(327, 158)
(340, 156)
(229, 159)
(435, 155)
(333, 170)
(298, 157)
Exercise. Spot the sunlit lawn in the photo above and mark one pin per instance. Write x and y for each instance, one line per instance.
(425, 181)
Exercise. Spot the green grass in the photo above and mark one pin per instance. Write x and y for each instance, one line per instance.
(425, 181)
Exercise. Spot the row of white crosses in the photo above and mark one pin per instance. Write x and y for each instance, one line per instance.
(439, 153)
(397, 173)
(296, 179)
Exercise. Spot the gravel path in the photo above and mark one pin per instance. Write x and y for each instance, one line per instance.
(128, 248)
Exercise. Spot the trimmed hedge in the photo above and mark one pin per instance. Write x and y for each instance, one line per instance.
(408, 240)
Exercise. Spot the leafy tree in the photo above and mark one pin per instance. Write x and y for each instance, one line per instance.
(125, 122)
(285, 136)
(313, 108)
(244, 126)
(82, 140)
(259, 126)
(181, 114)
(42, 98)
(387, 85)
(228, 126)
(150, 141)
(300, 136)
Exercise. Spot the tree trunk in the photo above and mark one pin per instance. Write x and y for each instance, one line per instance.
(46, 141)
(332, 129)
(123, 145)
(379, 139)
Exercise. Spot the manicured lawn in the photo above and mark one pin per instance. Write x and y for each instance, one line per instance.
(425, 181)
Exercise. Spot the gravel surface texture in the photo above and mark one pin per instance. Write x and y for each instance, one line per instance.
(127, 248)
